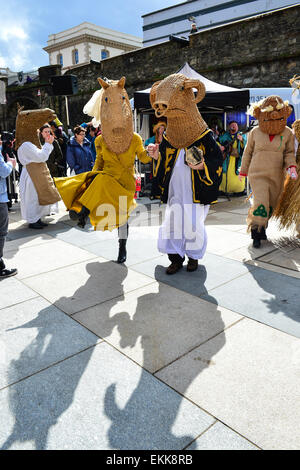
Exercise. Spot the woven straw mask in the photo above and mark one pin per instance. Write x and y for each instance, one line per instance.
(272, 115)
(28, 123)
(111, 107)
(174, 99)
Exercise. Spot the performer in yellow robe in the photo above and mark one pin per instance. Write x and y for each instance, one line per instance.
(113, 179)
(106, 194)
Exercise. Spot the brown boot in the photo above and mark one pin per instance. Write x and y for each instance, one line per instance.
(173, 268)
(192, 265)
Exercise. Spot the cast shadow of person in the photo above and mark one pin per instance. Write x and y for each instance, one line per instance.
(46, 391)
(280, 292)
(164, 332)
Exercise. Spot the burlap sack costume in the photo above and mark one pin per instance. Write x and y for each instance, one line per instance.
(27, 124)
(288, 209)
(267, 156)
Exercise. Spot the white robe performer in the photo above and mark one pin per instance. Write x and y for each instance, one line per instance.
(183, 231)
(31, 210)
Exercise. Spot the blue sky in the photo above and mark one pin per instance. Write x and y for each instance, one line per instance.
(26, 24)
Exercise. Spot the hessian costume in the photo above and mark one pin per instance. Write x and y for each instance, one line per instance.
(269, 153)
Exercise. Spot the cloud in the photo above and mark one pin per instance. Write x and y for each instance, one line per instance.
(8, 33)
(17, 47)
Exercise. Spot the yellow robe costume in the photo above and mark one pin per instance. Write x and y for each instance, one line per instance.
(230, 180)
(107, 191)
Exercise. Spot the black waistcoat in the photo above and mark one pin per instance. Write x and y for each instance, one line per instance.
(205, 183)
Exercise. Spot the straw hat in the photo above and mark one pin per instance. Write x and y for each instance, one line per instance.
(158, 125)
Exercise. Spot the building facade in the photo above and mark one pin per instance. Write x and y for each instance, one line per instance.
(79, 45)
(177, 20)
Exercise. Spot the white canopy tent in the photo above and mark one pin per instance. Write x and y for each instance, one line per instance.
(217, 95)
(219, 98)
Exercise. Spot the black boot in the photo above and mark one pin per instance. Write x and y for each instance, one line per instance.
(176, 264)
(123, 236)
(263, 235)
(256, 243)
(42, 224)
(122, 251)
(256, 237)
(36, 226)
(81, 216)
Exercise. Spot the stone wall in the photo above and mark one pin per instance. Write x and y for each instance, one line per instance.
(259, 52)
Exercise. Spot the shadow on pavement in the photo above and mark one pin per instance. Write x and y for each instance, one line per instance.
(131, 421)
(150, 414)
(35, 405)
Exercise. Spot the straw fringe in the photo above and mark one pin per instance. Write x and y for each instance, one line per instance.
(287, 211)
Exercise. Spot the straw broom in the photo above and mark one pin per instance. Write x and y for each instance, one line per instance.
(288, 209)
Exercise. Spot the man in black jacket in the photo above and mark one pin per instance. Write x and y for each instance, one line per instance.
(189, 170)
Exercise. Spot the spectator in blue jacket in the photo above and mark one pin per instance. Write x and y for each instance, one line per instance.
(5, 171)
(79, 154)
(91, 136)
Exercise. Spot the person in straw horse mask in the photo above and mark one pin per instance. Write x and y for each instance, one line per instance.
(106, 195)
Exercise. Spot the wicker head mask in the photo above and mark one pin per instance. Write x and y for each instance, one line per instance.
(174, 98)
(272, 114)
(111, 107)
(28, 123)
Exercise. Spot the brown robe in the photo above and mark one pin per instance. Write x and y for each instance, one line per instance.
(265, 163)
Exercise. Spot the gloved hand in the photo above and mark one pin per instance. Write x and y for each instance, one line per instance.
(292, 171)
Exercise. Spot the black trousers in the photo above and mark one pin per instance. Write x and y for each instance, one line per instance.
(3, 225)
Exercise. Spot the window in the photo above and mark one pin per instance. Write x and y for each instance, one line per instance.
(60, 59)
(75, 56)
(104, 54)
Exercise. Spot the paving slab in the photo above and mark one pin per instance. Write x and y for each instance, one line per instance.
(220, 437)
(289, 260)
(82, 237)
(213, 271)
(86, 284)
(248, 253)
(226, 221)
(97, 400)
(20, 229)
(34, 335)
(156, 324)
(11, 247)
(13, 292)
(252, 383)
(141, 246)
(234, 205)
(268, 297)
(221, 241)
(274, 268)
(48, 257)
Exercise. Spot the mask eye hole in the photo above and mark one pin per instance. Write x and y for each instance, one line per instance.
(106, 100)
